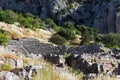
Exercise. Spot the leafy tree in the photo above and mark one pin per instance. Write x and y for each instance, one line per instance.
(88, 34)
(69, 25)
(52, 24)
(2, 15)
(35, 23)
(38, 23)
(10, 16)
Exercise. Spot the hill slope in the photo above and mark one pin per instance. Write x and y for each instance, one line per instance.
(18, 32)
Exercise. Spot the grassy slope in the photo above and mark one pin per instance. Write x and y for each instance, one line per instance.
(48, 73)
(18, 32)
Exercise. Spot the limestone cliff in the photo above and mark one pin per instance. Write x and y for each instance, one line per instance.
(101, 14)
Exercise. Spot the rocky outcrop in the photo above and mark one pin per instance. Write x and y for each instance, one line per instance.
(5, 75)
(43, 8)
(118, 22)
(100, 14)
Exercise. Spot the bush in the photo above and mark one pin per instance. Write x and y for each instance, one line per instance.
(111, 40)
(66, 55)
(29, 15)
(88, 34)
(5, 67)
(67, 34)
(3, 38)
(52, 24)
(27, 20)
(69, 25)
(8, 16)
(57, 39)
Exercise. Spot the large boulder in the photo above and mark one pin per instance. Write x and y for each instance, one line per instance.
(5, 75)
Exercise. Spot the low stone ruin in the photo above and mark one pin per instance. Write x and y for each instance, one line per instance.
(33, 46)
(90, 59)
(58, 60)
(14, 69)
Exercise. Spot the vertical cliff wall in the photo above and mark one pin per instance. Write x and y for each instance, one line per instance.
(101, 14)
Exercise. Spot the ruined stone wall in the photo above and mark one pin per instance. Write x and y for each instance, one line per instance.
(28, 46)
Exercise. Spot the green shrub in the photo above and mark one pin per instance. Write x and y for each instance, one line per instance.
(71, 6)
(27, 20)
(64, 11)
(3, 38)
(98, 38)
(111, 40)
(67, 34)
(88, 34)
(66, 55)
(8, 16)
(52, 24)
(5, 67)
(29, 15)
(69, 25)
(57, 39)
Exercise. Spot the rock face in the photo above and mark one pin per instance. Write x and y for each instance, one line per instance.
(100, 14)
(118, 22)
(43, 8)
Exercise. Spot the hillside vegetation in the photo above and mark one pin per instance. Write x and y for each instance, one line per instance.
(67, 32)
(32, 26)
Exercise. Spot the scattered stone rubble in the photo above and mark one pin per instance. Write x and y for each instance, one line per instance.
(58, 60)
(90, 59)
(17, 69)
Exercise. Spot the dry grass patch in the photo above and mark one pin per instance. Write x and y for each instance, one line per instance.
(8, 55)
(17, 32)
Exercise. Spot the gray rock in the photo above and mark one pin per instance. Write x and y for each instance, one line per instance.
(44, 13)
(118, 22)
(19, 63)
(5, 75)
(1, 62)
(11, 62)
